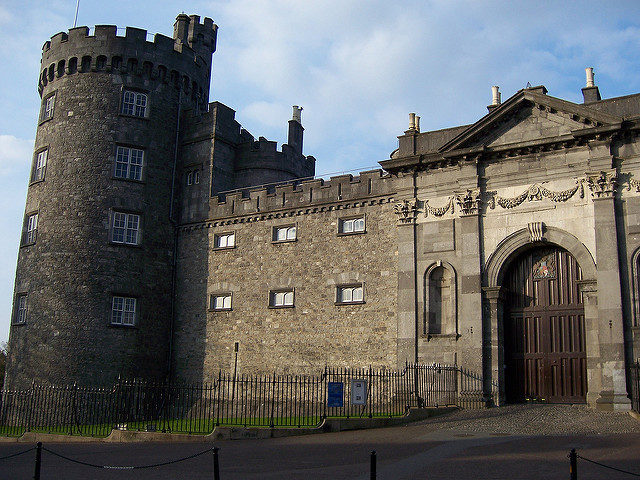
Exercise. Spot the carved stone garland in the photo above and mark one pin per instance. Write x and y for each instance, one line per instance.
(537, 192)
(407, 210)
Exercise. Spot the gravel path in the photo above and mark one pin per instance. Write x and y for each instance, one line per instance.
(535, 420)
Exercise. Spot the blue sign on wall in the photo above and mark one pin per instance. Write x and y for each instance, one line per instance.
(335, 394)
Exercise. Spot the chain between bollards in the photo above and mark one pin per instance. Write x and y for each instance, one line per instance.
(373, 465)
(573, 465)
(36, 473)
(216, 464)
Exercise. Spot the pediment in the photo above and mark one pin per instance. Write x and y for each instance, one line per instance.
(526, 117)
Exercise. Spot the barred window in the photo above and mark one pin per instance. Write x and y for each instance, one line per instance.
(351, 225)
(20, 308)
(48, 104)
(221, 302)
(125, 228)
(350, 294)
(284, 234)
(281, 298)
(123, 310)
(134, 103)
(30, 229)
(129, 163)
(224, 240)
(39, 166)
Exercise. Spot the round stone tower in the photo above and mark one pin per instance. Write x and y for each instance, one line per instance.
(93, 291)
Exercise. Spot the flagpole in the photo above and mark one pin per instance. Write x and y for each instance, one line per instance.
(75, 21)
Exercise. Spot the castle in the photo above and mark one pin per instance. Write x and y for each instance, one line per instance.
(161, 240)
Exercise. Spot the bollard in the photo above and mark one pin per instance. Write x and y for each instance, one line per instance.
(36, 473)
(373, 465)
(216, 465)
(573, 465)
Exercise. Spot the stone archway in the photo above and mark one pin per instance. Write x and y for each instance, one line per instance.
(493, 302)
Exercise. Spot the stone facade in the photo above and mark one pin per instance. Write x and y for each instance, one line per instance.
(246, 258)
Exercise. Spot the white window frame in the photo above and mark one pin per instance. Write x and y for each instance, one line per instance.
(39, 165)
(224, 240)
(134, 104)
(30, 232)
(125, 228)
(20, 309)
(350, 294)
(129, 163)
(352, 226)
(48, 106)
(123, 310)
(220, 302)
(282, 298)
(285, 233)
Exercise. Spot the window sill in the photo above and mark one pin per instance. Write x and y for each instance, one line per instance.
(430, 336)
(362, 302)
(45, 120)
(122, 325)
(18, 324)
(220, 309)
(133, 116)
(223, 248)
(22, 245)
(277, 307)
(348, 234)
(275, 242)
(122, 244)
(128, 180)
(34, 182)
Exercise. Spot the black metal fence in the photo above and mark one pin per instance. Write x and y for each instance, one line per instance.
(238, 400)
(634, 378)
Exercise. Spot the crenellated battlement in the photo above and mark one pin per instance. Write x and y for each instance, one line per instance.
(184, 61)
(301, 193)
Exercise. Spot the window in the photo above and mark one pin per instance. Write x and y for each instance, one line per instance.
(220, 302)
(126, 228)
(351, 225)
(350, 294)
(30, 229)
(20, 309)
(47, 107)
(284, 234)
(224, 240)
(193, 177)
(123, 311)
(129, 163)
(134, 104)
(281, 298)
(440, 300)
(39, 166)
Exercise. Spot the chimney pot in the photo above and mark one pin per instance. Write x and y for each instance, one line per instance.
(412, 121)
(297, 114)
(590, 75)
(495, 91)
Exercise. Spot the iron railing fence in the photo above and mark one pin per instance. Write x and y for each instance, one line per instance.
(271, 400)
(634, 377)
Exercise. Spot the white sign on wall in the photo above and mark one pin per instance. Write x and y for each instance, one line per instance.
(358, 392)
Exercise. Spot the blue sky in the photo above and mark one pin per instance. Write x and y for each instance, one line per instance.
(357, 67)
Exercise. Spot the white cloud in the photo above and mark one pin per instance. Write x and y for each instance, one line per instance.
(15, 154)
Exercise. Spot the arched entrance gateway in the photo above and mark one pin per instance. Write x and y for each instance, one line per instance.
(544, 327)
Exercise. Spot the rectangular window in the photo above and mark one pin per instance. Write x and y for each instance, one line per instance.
(281, 298)
(350, 294)
(123, 311)
(39, 166)
(220, 302)
(129, 163)
(20, 309)
(224, 240)
(193, 177)
(284, 234)
(190, 178)
(47, 107)
(134, 103)
(125, 229)
(30, 229)
(351, 225)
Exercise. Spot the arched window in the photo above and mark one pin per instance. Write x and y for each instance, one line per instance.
(440, 302)
(73, 65)
(101, 63)
(85, 66)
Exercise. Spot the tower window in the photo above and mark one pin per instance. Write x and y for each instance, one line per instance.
(351, 225)
(30, 229)
(46, 113)
(281, 298)
(193, 177)
(20, 309)
(224, 240)
(134, 104)
(39, 166)
(350, 294)
(123, 310)
(126, 227)
(129, 163)
(220, 302)
(284, 234)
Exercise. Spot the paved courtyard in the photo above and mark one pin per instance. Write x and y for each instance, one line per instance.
(514, 442)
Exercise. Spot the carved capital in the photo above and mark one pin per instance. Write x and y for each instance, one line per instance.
(469, 202)
(602, 184)
(407, 211)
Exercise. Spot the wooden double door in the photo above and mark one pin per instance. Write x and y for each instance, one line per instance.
(544, 335)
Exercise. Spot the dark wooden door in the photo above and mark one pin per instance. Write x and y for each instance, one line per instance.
(544, 337)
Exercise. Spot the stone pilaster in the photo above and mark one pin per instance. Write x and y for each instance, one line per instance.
(492, 345)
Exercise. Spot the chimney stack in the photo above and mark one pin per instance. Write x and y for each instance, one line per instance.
(414, 124)
(296, 130)
(590, 93)
(496, 98)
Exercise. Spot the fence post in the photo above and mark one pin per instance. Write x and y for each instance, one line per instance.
(373, 465)
(573, 465)
(216, 465)
(36, 473)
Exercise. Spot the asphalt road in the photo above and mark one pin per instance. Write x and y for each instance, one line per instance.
(496, 444)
